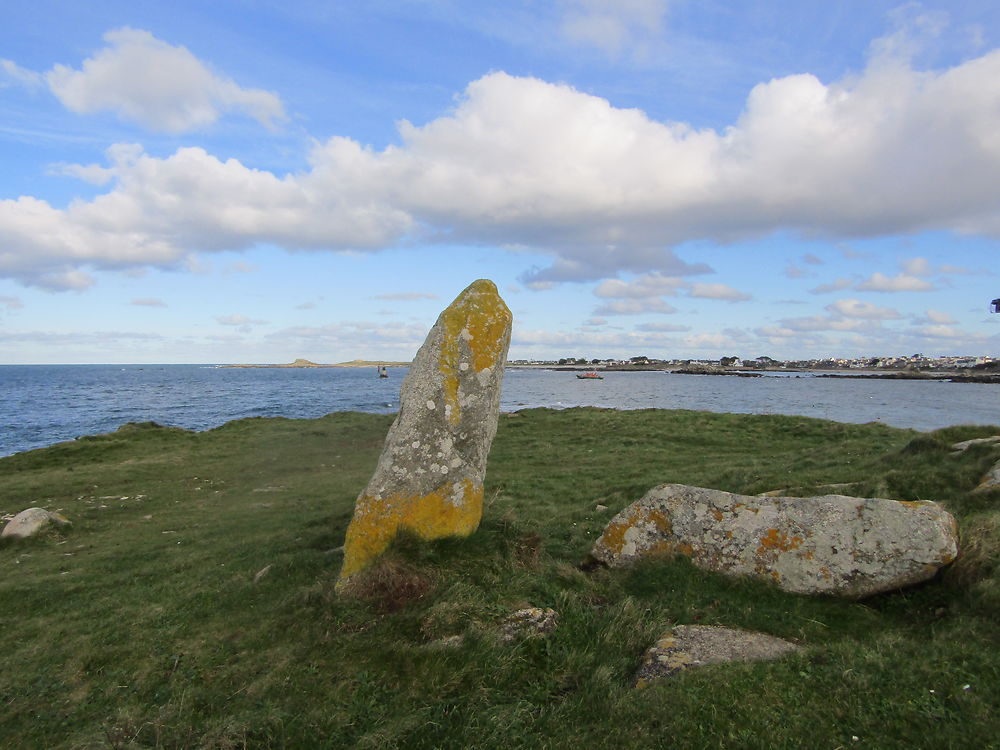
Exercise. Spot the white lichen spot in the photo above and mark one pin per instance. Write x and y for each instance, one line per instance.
(463, 366)
(483, 376)
(431, 405)
(444, 469)
(446, 445)
(456, 462)
(447, 411)
(416, 443)
(465, 335)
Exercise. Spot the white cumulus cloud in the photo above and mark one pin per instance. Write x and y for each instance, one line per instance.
(718, 291)
(649, 285)
(635, 307)
(939, 318)
(948, 332)
(852, 308)
(238, 320)
(879, 282)
(827, 323)
(662, 327)
(163, 87)
(527, 164)
(916, 267)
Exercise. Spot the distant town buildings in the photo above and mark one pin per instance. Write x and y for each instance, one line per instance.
(912, 362)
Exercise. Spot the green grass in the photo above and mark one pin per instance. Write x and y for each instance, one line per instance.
(141, 626)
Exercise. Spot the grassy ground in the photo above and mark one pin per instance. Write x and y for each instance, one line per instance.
(146, 625)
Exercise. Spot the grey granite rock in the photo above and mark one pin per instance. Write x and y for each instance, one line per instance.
(690, 646)
(976, 442)
(991, 481)
(31, 521)
(528, 622)
(833, 544)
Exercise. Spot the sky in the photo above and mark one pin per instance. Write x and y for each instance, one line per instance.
(256, 181)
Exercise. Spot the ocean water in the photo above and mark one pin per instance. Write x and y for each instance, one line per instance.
(45, 404)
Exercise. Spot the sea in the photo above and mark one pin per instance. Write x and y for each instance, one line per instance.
(45, 404)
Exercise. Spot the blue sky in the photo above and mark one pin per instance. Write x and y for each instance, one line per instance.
(259, 181)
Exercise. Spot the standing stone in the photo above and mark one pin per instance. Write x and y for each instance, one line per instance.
(429, 478)
(844, 546)
(29, 522)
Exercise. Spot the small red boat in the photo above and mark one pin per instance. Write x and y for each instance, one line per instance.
(589, 376)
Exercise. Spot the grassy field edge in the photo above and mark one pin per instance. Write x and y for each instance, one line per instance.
(191, 603)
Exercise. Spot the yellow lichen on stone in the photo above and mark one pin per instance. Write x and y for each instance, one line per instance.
(480, 317)
(778, 541)
(668, 548)
(614, 540)
(432, 516)
(662, 522)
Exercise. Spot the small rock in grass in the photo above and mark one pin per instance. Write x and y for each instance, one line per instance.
(448, 642)
(966, 444)
(527, 623)
(991, 481)
(31, 521)
(689, 646)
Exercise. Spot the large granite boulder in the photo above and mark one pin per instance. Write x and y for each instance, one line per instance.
(429, 478)
(31, 521)
(691, 646)
(833, 544)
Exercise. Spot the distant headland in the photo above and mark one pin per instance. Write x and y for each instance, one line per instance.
(352, 363)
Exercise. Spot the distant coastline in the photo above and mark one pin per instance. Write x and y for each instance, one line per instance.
(692, 368)
(353, 363)
(989, 374)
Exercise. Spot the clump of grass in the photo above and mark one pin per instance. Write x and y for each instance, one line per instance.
(979, 556)
(390, 584)
(930, 443)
